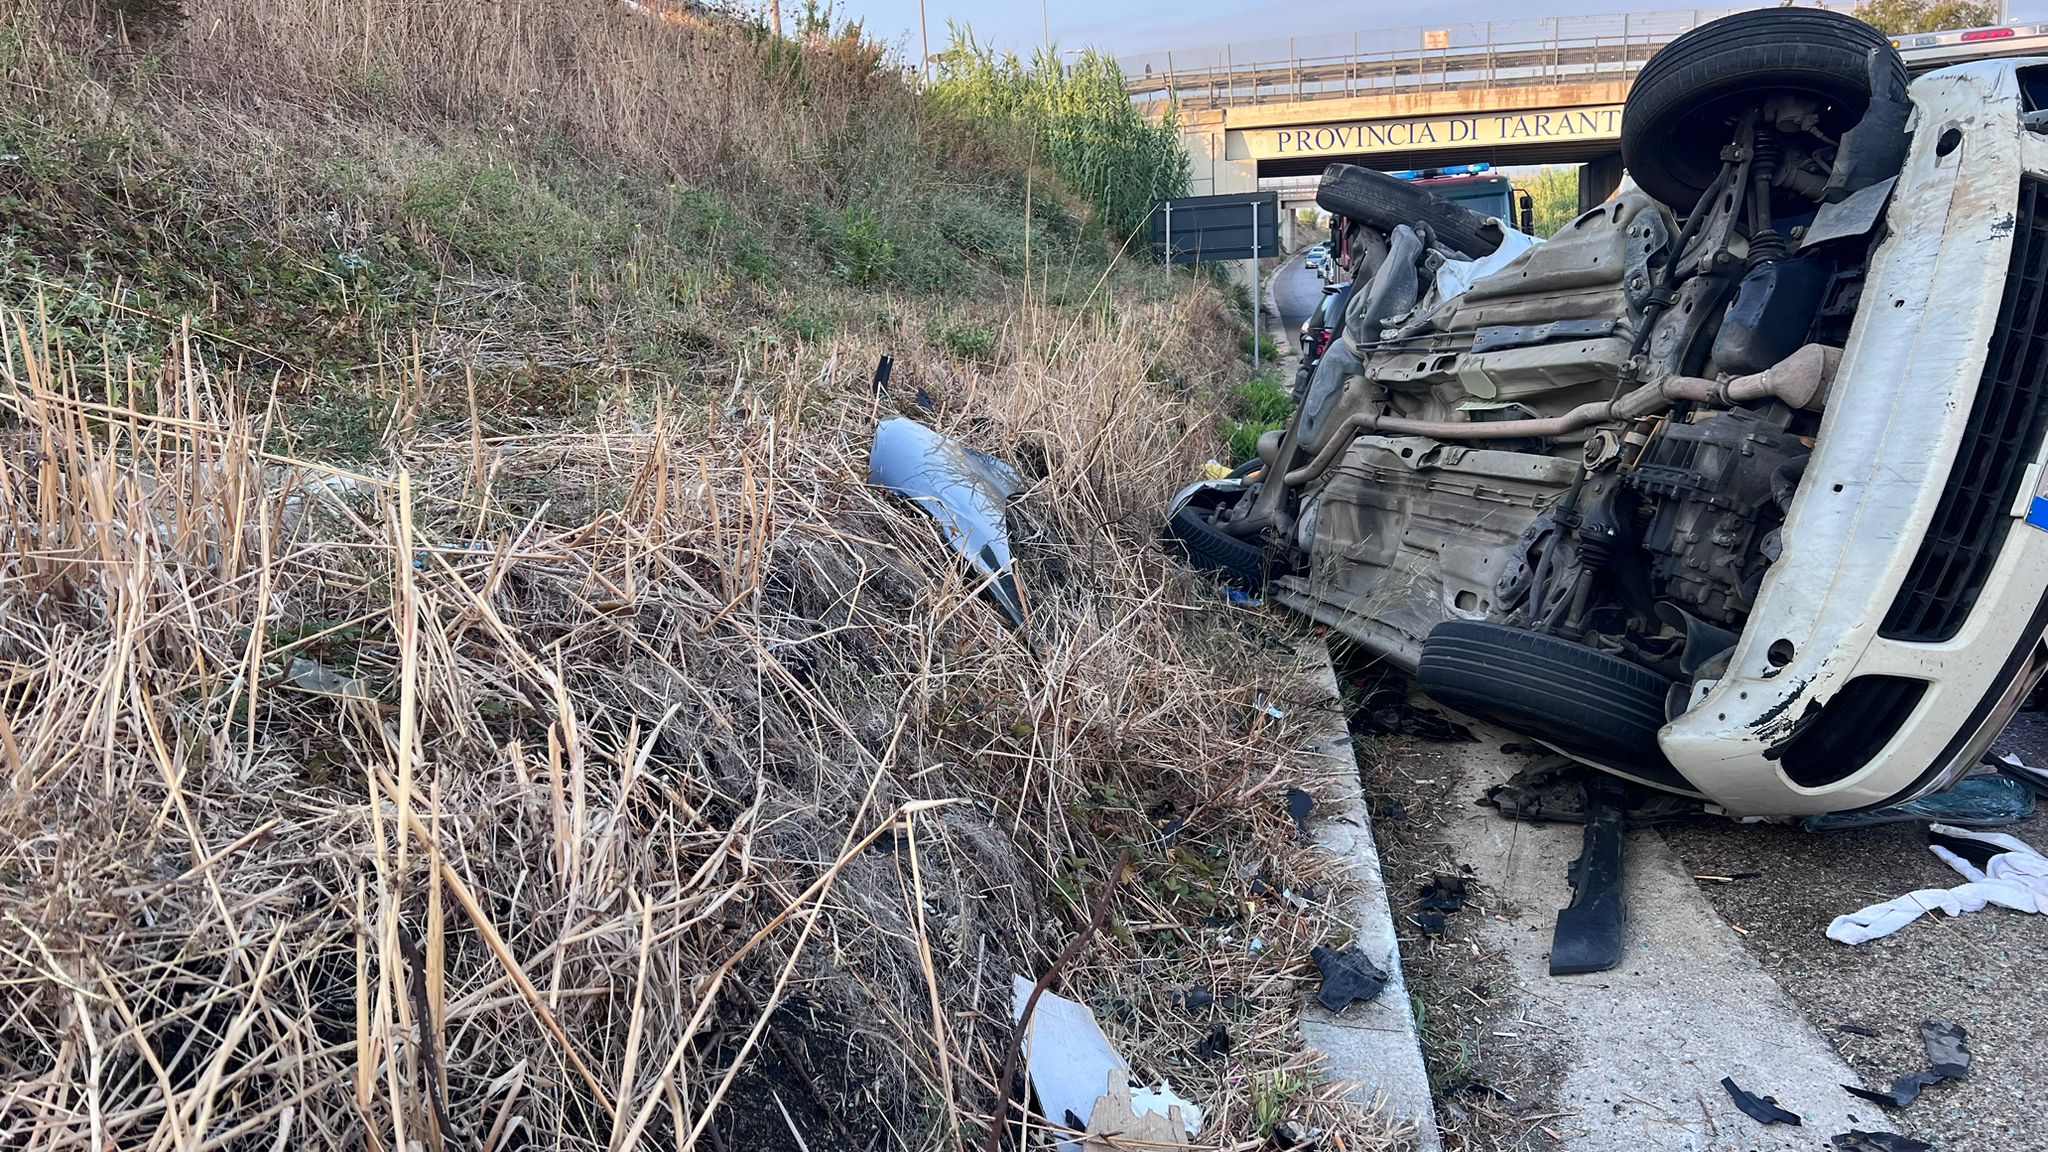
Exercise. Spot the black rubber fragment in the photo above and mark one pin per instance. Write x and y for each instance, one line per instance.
(1348, 976)
(1762, 1109)
(1299, 805)
(1857, 1140)
(1904, 1090)
(1948, 1048)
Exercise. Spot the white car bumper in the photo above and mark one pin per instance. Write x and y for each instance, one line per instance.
(1903, 621)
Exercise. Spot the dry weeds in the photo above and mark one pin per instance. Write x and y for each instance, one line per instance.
(652, 784)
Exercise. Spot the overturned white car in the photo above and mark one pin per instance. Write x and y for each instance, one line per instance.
(1734, 486)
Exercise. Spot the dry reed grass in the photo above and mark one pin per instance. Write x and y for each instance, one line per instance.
(716, 101)
(655, 784)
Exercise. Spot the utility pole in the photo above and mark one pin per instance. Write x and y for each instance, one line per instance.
(775, 13)
(924, 42)
(1045, 15)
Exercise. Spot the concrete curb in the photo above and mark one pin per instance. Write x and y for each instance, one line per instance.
(1373, 1048)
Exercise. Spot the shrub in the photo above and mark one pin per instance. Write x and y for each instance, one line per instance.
(1078, 117)
(968, 341)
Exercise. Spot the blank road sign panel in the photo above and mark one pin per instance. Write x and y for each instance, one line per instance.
(1205, 229)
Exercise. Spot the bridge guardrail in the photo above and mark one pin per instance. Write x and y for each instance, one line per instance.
(1490, 54)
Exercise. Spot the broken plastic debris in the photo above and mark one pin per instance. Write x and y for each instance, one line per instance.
(1074, 1070)
(317, 678)
(1999, 869)
(1145, 1118)
(2018, 769)
(1948, 1056)
(1385, 709)
(1239, 598)
(1976, 802)
(1348, 976)
(1904, 1090)
(1948, 1047)
(1857, 1140)
(1299, 805)
(964, 490)
(1762, 1109)
(1442, 894)
(1216, 1043)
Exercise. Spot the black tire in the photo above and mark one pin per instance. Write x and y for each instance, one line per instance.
(1681, 110)
(1379, 200)
(1211, 549)
(1589, 702)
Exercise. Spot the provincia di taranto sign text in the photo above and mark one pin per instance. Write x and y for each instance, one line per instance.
(1481, 128)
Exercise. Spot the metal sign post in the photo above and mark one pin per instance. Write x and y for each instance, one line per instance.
(1258, 303)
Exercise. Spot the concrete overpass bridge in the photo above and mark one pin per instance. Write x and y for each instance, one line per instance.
(1546, 91)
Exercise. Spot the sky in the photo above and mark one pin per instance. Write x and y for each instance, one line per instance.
(1127, 27)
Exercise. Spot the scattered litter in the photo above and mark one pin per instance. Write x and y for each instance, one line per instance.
(883, 368)
(317, 678)
(1857, 1030)
(1976, 802)
(1216, 1043)
(2015, 768)
(925, 401)
(1348, 976)
(1146, 1118)
(1290, 1136)
(1948, 1054)
(1431, 923)
(1857, 1140)
(1552, 790)
(1731, 878)
(1948, 1048)
(1299, 805)
(1067, 1057)
(1763, 1110)
(1904, 1090)
(1239, 598)
(1194, 999)
(2006, 871)
(1215, 469)
(1384, 709)
(964, 490)
(1077, 1074)
(1442, 894)
(1166, 822)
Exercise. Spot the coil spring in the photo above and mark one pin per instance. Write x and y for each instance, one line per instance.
(1765, 244)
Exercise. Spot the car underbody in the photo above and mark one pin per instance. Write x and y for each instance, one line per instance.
(1726, 487)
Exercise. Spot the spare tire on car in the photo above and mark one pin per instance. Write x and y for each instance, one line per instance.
(1682, 107)
(1381, 201)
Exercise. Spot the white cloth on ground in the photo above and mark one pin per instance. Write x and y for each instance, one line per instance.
(2016, 878)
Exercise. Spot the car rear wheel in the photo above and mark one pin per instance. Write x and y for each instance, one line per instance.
(1381, 201)
(1585, 701)
(1682, 108)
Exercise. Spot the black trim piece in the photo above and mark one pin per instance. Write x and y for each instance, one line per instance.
(1835, 742)
(2007, 418)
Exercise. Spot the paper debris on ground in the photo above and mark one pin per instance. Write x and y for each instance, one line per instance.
(1076, 1072)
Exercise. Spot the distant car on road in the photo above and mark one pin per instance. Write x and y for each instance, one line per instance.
(1317, 257)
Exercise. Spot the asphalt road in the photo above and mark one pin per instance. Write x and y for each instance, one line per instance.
(1295, 293)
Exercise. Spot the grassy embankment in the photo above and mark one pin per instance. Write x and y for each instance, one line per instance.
(456, 688)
